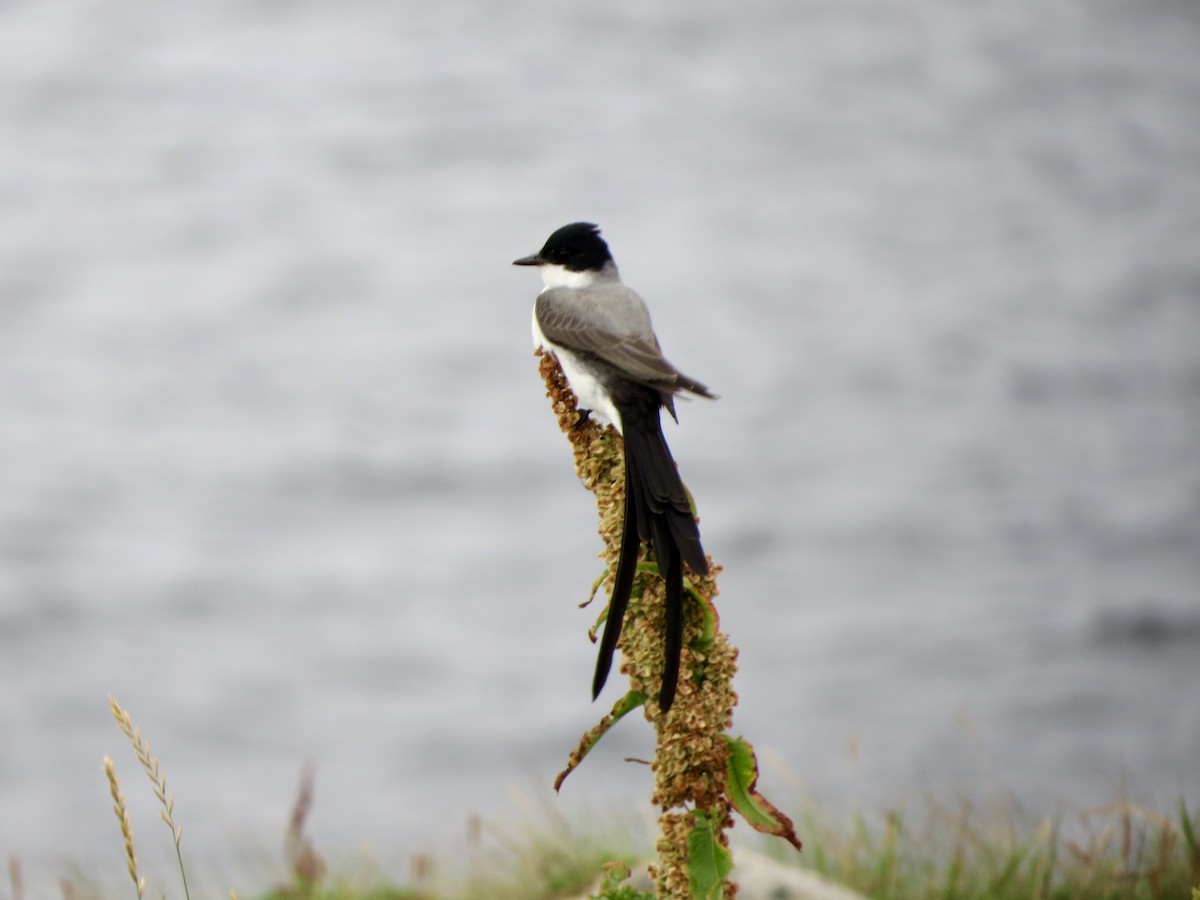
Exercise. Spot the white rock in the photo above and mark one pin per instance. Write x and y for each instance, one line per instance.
(761, 878)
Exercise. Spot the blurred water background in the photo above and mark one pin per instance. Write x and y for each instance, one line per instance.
(278, 471)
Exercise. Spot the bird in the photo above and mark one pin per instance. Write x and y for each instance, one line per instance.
(600, 332)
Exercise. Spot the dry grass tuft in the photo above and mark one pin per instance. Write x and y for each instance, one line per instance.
(150, 765)
(15, 879)
(122, 812)
(308, 868)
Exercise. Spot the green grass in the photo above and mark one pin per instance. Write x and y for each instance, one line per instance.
(938, 848)
(964, 851)
(931, 851)
(937, 852)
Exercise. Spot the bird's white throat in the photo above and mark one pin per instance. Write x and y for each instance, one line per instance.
(560, 276)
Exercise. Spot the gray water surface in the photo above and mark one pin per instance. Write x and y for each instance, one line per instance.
(278, 471)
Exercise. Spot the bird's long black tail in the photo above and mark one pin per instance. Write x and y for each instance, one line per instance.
(622, 586)
(657, 510)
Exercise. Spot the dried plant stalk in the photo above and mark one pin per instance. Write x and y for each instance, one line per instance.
(691, 757)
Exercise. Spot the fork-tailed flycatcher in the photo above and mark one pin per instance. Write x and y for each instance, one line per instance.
(600, 332)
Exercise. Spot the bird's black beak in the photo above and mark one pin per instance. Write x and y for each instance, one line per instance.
(534, 260)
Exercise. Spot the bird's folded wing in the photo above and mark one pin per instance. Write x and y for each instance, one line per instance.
(590, 328)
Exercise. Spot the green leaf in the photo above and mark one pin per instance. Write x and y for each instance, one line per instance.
(615, 871)
(1189, 834)
(710, 621)
(708, 861)
(742, 775)
(611, 884)
(622, 708)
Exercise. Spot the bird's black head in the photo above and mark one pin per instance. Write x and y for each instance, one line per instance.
(577, 247)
